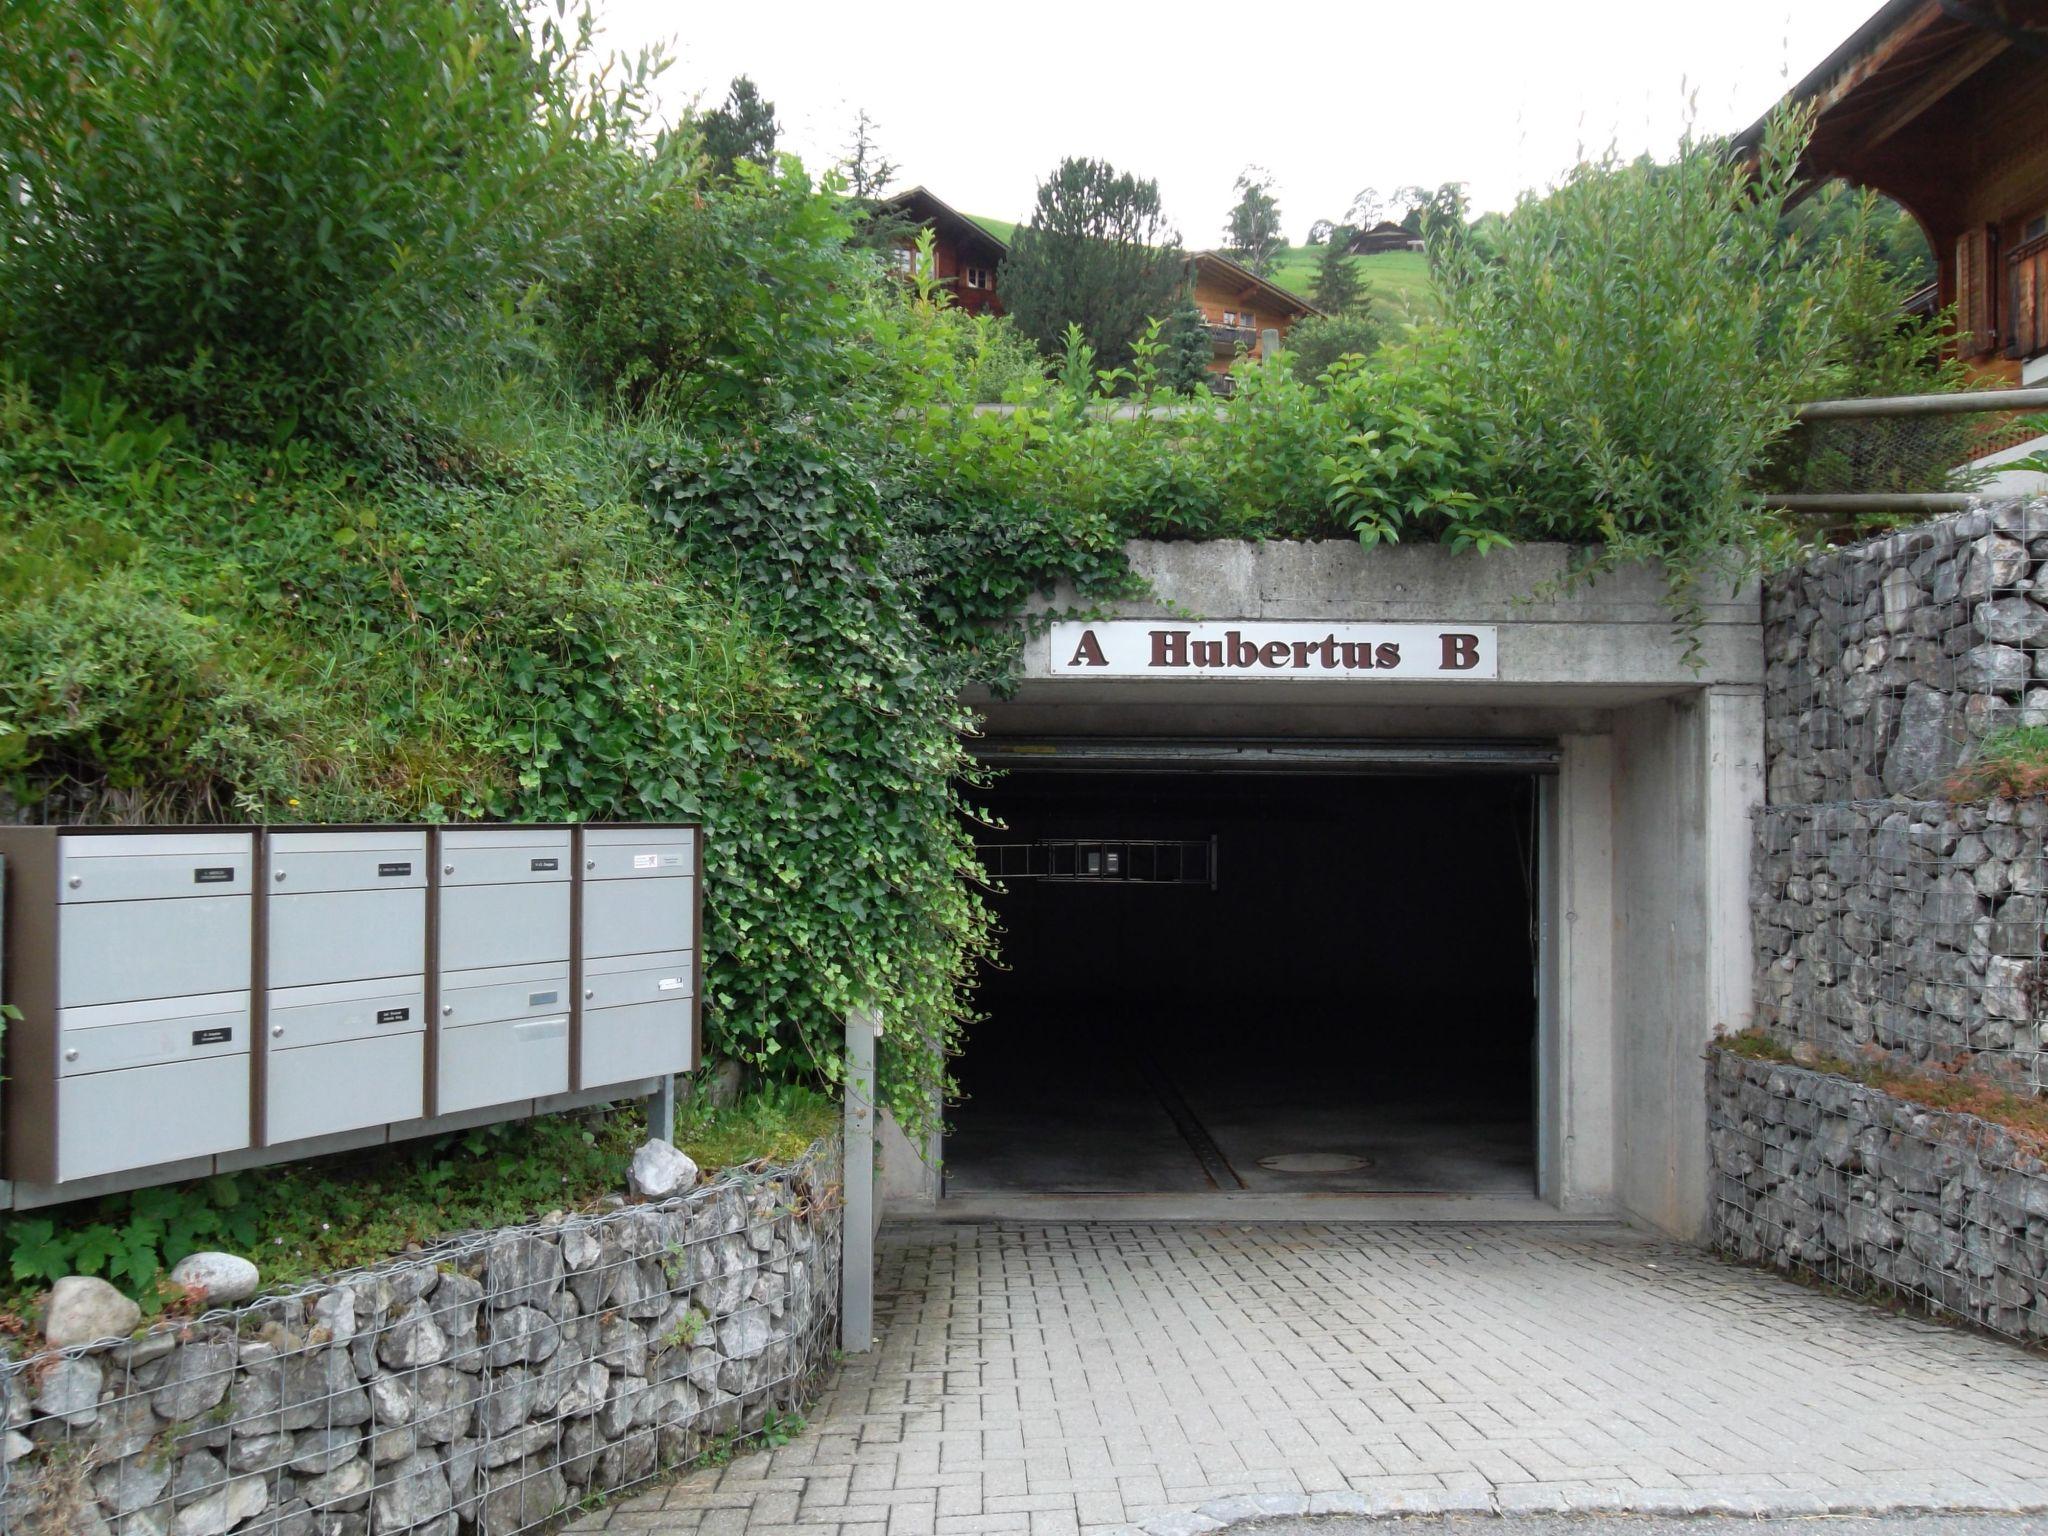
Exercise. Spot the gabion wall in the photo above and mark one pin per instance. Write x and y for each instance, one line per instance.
(482, 1386)
(1915, 925)
(1887, 661)
(1820, 1174)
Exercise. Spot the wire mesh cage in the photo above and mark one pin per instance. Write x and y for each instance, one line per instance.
(1847, 1185)
(1905, 445)
(485, 1385)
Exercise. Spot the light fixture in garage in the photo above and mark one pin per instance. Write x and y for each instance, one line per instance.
(1121, 861)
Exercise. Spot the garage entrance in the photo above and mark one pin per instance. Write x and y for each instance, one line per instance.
(1217, 980)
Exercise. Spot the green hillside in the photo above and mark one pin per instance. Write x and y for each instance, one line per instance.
(1397, 280)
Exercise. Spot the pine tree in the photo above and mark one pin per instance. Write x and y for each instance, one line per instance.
(1189, 349)
(1338, 287)
(743, 129)
(1097, 253)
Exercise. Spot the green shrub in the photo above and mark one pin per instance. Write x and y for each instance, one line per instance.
(264, 209)
(1317, 342)
(1638, 337)
(729, 297)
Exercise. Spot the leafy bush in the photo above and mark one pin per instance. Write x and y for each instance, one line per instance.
(718, 299)
(1317, 342)
(1639, 337)
(265, 209)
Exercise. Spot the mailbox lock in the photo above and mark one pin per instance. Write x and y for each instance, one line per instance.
(447, 869)
(75, 881)
(446, 1009)
(589, 993)
(71, 1055)
(277, 1031)
(590, 863)
(278, 876)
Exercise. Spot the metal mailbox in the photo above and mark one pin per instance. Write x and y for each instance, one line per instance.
(342, 1040)
(193, 992)
(504, 996)
(637, 939)
(128, 954)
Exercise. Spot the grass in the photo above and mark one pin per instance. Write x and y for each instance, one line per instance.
(1397, 280)
(1944, 1086)
(2012, 762)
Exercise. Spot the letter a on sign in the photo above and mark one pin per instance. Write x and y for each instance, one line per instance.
(1089, 652)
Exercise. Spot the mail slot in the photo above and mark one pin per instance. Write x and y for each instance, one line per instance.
(505, 994)
(343, 1035)
(345, 906)
(128, 955)
(152, 916)
(497, 1063)
(151, 1082)
(112, 1121)
(344, 1055)
(504, 897)
(636, 951)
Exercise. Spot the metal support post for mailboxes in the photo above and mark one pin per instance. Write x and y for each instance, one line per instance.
(857, 1231)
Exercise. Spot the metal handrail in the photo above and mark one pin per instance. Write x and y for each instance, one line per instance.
(2033, 399)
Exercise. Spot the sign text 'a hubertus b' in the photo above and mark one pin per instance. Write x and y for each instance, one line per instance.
(1241, 649)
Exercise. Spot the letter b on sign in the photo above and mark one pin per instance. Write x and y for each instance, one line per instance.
(1461, 653)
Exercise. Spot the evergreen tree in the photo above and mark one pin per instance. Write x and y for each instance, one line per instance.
(1338, 287)
(868, 171)
(1098, 253)
(1189, 348)
(743, 129)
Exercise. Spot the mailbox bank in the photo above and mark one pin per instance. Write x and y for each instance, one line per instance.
(194, 998)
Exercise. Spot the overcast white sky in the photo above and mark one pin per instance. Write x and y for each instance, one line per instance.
(979, 101)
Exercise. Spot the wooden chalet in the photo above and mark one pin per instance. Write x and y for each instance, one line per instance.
(1942, 105)
(1240, 307)
(1383, 237)
(965, 255)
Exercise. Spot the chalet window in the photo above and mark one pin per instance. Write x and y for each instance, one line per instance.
(903, 259)
(979, 277)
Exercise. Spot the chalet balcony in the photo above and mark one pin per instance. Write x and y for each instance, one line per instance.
(2027, 290)
(1226, 339)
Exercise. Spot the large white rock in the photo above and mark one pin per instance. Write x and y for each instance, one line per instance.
(83, 1310)
(659, 1170)
(224, 1277)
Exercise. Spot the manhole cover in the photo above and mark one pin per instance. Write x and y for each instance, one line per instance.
(1311, 1162)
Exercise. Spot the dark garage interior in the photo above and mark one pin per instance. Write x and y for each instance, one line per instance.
(1349, 1008)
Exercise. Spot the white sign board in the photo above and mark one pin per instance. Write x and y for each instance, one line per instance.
(1248, 648)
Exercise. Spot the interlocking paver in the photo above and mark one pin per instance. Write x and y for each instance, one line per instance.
(1088, 1380)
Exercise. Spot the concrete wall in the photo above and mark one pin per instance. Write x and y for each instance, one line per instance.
(1688, 772)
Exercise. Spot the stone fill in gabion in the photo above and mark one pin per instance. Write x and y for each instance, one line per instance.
(1820, 1174)
(481, 1387)
(1914, 925)
(1886, 662)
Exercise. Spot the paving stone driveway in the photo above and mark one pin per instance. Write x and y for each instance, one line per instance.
(1057, 1380)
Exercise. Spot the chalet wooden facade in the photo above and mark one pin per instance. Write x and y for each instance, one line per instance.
(1942, 105)
(965, 254)
(1240, 307)
(1237, 304)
